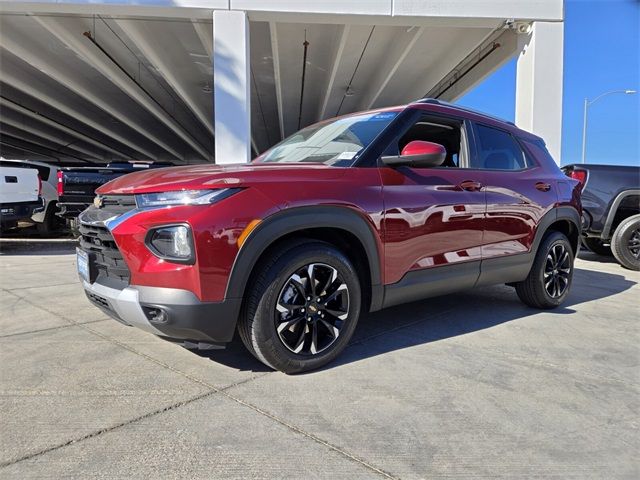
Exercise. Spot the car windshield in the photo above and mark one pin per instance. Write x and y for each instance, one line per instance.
(336, 142)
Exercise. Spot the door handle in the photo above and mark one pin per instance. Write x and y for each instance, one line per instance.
(543, 187)
(470, 185)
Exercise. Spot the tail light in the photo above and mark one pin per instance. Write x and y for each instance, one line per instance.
(580, 176)
(60, 184)
(39, 186)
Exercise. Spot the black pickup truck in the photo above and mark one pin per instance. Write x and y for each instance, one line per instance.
(611, 210)
(77, 185)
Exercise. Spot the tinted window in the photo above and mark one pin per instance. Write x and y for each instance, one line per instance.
(498, 150)
(43, 171)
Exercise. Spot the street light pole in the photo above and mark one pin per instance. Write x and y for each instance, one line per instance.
(584, 129)
(587, 104)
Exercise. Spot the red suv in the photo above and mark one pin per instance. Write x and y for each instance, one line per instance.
(352, 214)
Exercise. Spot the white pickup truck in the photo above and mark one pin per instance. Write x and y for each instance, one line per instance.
(20, 190)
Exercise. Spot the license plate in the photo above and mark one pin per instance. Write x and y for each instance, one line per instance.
(83, 264)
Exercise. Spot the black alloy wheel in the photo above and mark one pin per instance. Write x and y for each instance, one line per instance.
(557, 271)
(302, 306)
(550, 277)
(311, 309)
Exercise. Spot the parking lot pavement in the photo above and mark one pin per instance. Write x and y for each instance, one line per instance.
(469, 385)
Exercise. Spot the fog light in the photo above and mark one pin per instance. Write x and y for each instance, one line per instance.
(172, 243)
(155, 315)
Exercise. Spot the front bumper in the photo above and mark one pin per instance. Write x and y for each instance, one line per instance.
(185, 318)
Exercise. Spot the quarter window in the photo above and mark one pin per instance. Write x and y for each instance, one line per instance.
(498, 150)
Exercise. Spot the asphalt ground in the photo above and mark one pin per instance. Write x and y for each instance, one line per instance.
(471, 385)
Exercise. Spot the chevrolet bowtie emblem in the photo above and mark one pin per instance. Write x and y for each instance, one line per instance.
(97, 202)
(313, 308)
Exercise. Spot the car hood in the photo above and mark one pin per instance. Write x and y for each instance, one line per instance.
(198, 177)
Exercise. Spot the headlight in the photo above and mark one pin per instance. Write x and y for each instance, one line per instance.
(183, 197)
(173, 243)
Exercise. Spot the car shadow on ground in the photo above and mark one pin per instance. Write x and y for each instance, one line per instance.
(440, 318)
(589, 256)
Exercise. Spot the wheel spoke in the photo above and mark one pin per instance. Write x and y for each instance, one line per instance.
(314, 339)
(564, 258)
(296, 281)
(288, 324)
(333, 296)
(340, 314)
(312, 279)
(287, 308)
(332, 329)
(549, 265)
(300, 343)
(332, 278)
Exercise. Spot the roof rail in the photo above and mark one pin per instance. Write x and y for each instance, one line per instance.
(435, 101)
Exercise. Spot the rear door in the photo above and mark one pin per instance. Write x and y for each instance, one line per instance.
(518, 192)
(18, 185)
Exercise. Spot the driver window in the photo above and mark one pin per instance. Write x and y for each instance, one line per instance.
(446, 132)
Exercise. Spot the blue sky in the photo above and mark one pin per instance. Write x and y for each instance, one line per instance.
(601, 53)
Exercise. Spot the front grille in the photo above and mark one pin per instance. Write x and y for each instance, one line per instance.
(104, 253)
(105, 260)
(118, 204)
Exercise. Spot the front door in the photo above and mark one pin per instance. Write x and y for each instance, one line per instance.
(433, 217)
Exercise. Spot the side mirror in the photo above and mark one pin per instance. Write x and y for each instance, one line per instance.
(418, 154)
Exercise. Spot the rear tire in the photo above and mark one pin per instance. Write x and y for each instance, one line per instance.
(596, 246)
(302, 307)
(549, 280)
(625, 243)
(51, 222)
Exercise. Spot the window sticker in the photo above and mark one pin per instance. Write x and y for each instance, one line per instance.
(384, 116)
(346, 155)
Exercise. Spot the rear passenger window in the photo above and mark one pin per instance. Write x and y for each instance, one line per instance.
(43, 171)
(498, 150)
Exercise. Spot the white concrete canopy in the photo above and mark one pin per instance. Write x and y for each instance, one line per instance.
(136, 80)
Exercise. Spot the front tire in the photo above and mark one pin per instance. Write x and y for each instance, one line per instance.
(625, 243)
(549, 280)
(302, 308)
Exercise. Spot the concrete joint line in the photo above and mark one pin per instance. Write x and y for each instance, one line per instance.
(105, 430)
(310, 436)
(41, 286)
(211, 389)
(60, 327)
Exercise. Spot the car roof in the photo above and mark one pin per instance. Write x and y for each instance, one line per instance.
(440, 106)
(436, 105)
